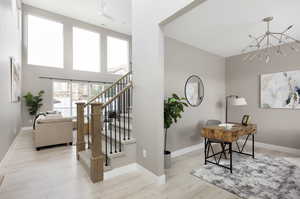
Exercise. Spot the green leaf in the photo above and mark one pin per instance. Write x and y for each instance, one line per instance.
(33, 103)
(173, 107)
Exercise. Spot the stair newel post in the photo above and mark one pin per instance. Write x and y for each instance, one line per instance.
(80, 144)
(97, 158)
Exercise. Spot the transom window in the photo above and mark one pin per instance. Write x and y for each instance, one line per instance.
(45, 46)
(117, 55)
(86, 50)
(45, 42)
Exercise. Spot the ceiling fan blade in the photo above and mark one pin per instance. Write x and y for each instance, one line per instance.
(102, 10)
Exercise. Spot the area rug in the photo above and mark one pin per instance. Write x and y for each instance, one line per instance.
(264, 177)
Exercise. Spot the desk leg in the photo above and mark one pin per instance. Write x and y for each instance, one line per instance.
(230, 151)
(253, 146)
(205, 149)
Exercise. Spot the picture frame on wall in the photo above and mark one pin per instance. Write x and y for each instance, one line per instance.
(15, 77)
(280, 90)
(16, 8)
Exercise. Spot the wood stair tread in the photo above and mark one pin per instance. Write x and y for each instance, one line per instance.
(113, 154)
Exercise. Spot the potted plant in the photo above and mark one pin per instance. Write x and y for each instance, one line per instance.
(173, 107)
(33, 103)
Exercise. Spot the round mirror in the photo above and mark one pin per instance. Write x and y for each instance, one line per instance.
(194, 90)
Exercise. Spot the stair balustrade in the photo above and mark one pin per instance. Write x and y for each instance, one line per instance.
(107, 116)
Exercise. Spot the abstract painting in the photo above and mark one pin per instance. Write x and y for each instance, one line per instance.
(281, 90)
(15, 80)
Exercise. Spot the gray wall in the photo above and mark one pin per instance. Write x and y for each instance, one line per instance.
(182, 61)
(10, 45)
(275, 126)
(31, 80)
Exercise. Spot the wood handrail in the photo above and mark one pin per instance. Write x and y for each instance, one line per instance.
(118, 95)
(114, 84)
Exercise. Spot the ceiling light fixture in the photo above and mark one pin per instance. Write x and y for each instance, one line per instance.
(103, 9)
(266, 40)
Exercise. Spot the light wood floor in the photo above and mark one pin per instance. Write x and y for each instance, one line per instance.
(55, 173)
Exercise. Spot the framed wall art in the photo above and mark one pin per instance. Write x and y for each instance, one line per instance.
(15, 75)
(280, 90)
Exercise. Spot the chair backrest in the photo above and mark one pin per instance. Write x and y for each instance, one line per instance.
(213, 122)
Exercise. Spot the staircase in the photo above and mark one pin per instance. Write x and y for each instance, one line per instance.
(108, 142)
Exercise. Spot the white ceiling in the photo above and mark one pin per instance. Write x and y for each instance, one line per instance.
(87, 11)
(222, 26)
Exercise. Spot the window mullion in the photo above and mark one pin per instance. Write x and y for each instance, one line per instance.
(71, 97)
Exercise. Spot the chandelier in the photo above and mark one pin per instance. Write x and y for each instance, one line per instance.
(270, 42)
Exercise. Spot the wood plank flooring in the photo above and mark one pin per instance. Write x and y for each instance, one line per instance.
(55, 173)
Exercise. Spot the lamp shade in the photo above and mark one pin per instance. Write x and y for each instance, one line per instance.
(240, 101)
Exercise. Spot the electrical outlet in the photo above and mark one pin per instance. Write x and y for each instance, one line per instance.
(144, 153)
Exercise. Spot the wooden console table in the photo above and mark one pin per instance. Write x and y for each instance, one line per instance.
(224, 136)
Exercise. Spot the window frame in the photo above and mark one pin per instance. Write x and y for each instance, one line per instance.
(67, 52)
(70, 86)
(99, 45)
(70, 90)
(25, 32)
(128, 54)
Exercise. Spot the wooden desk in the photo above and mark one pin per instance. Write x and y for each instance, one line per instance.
(218, 134)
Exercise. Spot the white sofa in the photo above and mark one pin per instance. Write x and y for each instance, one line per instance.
(52, 130)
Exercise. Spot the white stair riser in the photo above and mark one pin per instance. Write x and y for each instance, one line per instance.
(130, 157)
(122, 125)
(124, 142)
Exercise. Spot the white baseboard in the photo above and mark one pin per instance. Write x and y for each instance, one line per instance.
(187, 150)
(26, 129)
(158, 179)
(289, 150)
(131, 168)
(120, 171)
(9, 151)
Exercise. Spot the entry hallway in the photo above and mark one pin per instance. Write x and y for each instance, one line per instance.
(55, 173)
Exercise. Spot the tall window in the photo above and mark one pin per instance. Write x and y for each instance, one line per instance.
(45, 42)
(80, 93)
(117, 55)
(86, 50)
(62, 97)
(67, 93)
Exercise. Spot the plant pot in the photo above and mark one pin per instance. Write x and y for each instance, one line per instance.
(167, 159)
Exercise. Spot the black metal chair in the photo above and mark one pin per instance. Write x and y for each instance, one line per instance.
(215, 141)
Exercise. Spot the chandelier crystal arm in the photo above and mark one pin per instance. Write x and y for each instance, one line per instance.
(257, 39)
(260, 41)
(263, 37)
(291, 38)
(287, 29)
(275, 37)
(267, 41)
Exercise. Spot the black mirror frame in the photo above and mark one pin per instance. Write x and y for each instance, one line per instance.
(201, 99)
